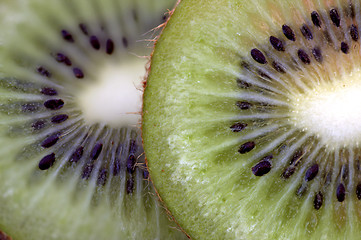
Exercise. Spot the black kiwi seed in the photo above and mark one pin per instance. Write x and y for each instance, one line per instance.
(94, 41)
(263, 74)
(50, 141)
(340, 192)
(237, 127)
(87, 171)
(335, 17)
(109, 46)
(295, 160)
(67, 36)
(59, 118)
(77, 155)
(60, 57)
(39, 124)
(288, 32)
(49, 91)
(296, 157)
(301, 190)
(354, 32)
(243, 84)
(78, 73)
(244, 105)
(288, 172)
(344, 47)
(278, 67)
(303, 56)
(54, 104)
(317, 202)
(246, 147)
(306, 32)
(258, 56)
(276, 43)
(317, 54)
(316, 19)
(44, 72)
(83, 28)
(47, 161)
(311, 172)
(102, 177)
(263, 167)
(98, 147)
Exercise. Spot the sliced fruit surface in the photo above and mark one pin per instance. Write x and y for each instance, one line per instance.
(251, 119)
(71, 162)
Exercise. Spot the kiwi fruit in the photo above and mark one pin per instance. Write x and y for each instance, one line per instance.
(71, 158)
(251, 120)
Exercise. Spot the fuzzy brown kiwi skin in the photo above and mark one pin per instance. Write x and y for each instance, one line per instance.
(155, 41)
(3, 236)
(165, 209)
(148, 68)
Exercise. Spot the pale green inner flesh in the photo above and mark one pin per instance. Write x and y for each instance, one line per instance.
(190, 104)
(59, 203)
(331, 111)
(116, 97)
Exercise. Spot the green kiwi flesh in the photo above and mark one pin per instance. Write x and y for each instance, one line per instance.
(68, 170)
(251, 120)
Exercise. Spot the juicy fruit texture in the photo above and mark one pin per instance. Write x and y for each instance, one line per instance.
(65, 172)
(258, 136)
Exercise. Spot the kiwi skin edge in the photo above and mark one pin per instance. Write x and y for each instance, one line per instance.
(162, 26)
(3, 236)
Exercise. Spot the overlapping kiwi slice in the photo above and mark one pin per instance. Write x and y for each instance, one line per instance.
(71, 162)
(252, 119)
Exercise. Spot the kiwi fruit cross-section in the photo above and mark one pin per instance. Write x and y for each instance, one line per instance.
(251, 122)
(71, 162)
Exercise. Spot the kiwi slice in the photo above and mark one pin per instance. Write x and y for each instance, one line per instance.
(251, 119)
(71, 162)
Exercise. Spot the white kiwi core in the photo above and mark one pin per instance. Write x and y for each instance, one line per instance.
(332, 111)
(115, 98)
